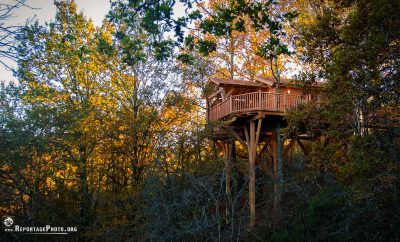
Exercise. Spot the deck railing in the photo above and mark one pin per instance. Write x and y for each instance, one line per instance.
(256, 101)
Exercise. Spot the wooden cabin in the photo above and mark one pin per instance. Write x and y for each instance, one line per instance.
(232, 97)
(251, 112)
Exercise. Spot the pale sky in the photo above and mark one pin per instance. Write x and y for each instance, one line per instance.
(45, 11)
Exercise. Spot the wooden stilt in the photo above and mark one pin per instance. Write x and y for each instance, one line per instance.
(252, 138)
(228, 148)
(252, 176)
(276, 147)
(274, 151)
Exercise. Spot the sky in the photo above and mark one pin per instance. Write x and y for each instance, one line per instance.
(44, 11)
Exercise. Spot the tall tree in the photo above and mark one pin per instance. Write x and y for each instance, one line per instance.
(352, 45)
(62, 75)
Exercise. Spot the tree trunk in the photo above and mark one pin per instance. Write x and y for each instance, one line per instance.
(278, 161)
(252, 175)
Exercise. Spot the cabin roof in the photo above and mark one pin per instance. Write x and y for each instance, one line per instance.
(271, 81)
(235, 82)
(259, 82)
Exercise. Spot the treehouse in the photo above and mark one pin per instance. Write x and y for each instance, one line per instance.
(251, 113)
(238, 98)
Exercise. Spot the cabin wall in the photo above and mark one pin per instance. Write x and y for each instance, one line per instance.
(284, 90)
(287, 90)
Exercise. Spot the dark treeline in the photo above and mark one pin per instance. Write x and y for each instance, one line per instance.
(105, 128)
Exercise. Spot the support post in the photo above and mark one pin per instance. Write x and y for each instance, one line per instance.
(275, 164)
(252, 138)
(228, 148)
(252, 176)
(276, 147)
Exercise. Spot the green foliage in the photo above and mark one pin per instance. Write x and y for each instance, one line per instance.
(157, 19)
(273, 48)
(207, 46)
(104, 47)
(347, 44)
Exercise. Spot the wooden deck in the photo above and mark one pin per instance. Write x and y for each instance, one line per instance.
(256, 101)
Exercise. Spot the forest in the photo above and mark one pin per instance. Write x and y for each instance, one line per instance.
(106, 128)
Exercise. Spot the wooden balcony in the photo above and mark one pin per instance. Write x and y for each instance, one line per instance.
(255, 102)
